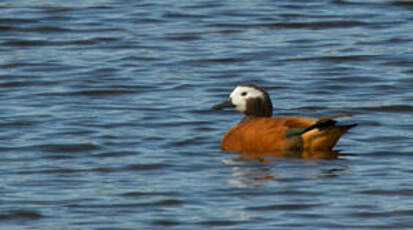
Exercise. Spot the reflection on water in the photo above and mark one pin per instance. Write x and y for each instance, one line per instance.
(255, 170)
(245, 176)
(328, 154)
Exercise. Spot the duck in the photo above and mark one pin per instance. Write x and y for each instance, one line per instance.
(259, 132)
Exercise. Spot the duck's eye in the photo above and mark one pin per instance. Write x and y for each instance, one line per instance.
(244, 94)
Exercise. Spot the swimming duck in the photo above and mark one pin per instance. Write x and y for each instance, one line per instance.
(259, 132)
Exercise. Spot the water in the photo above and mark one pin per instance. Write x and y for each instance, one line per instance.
(105, 119)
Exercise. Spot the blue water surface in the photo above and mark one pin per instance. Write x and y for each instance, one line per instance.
(106, 120)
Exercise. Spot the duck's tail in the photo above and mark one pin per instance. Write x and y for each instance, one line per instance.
(323, 135)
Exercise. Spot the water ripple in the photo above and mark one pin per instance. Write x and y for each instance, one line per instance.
(21, 215)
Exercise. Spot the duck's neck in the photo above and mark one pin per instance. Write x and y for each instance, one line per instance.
(251, 117)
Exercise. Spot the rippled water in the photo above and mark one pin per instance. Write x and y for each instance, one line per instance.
(105, 119)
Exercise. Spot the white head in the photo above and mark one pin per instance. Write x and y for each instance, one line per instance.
(241, 94)
(249, 99)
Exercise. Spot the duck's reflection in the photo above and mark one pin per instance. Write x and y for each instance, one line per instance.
(327, 155)
(256, 169)
(252, 177)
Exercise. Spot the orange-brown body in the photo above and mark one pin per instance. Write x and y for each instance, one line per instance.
(269, 135)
